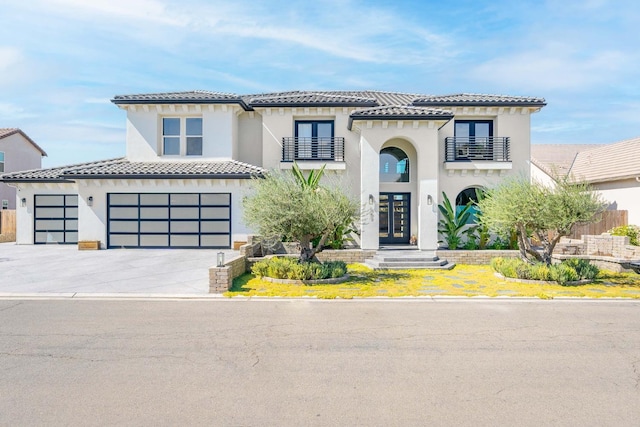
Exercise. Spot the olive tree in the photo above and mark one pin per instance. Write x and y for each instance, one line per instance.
(281, 206)
(546, 212)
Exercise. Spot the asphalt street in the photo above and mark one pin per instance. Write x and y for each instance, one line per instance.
(313, 362)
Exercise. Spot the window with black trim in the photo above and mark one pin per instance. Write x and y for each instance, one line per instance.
(474, 139)
(394, 165)
(182, 136)
(314, 139)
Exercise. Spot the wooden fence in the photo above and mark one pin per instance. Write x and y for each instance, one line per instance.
(609, 220)
(7, 221)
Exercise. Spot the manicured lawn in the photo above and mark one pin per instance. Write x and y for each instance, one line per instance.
(463, 280)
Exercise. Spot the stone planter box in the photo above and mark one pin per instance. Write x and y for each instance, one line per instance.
(89, 245)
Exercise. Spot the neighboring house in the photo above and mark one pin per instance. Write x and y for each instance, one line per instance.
(612, 169)
(17, 152)
(189, 157)
(550, 161)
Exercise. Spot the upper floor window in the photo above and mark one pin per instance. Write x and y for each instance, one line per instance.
(1, 161)
(182, 136)
(475, 130)
(394, 165)
(314, 139)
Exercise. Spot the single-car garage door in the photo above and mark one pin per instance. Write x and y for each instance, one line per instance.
(169, 220)
(55, 219)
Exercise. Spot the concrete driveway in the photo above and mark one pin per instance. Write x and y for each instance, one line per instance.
(63, 269)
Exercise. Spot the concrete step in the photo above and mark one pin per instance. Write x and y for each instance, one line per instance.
(396, 260)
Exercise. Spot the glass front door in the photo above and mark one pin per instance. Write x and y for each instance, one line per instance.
(395, 218)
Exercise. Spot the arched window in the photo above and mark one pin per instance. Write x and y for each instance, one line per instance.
(394, 165)
(464, 197)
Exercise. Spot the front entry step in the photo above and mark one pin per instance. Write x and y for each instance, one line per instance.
(397, 260)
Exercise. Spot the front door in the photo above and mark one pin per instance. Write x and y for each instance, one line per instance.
(395, 221)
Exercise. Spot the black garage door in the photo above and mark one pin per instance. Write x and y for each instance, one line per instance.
(169, 220)
(55, 219)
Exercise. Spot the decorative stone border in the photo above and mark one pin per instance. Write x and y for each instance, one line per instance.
(331, 281)
(542, 282)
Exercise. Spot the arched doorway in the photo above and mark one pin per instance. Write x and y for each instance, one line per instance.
(395, 196)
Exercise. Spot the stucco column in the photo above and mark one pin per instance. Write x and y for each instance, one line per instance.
(428, 214)
(369, 195)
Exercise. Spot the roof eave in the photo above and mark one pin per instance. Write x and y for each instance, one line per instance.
(315, 104)
(478, 104)
(167, 176)
(27, 180)
(353, 118)
(180, 102)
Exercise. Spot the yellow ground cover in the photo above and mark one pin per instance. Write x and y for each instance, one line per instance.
(463, 280)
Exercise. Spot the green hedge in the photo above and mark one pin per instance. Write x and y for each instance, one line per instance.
(569, 270)
(291, 268)
(631, 231)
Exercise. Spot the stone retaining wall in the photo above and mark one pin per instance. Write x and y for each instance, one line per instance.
(347, 255)
(221, 278)
(603, 245)
(476, 257)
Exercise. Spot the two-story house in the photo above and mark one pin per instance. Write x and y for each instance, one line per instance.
(190, 156)
(17, 152)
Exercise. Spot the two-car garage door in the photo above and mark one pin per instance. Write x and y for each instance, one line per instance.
(174, 220)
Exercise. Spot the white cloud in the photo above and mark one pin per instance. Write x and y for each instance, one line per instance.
(152, 11)
(553, 67)
(9, 56)
(13, 112)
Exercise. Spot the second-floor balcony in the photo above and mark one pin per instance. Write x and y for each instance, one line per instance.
(492, 149)
(313, 148)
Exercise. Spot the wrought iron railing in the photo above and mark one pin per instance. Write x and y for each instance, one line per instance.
(492, 148)
(315, 148)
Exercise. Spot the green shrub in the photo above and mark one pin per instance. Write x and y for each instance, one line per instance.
(563, 273)
(631, 231)
(540, 271)
(290, 268)
(583, 267)
(571, 270)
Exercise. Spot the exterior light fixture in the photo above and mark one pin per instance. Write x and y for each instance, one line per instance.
(371, 199)
(429, 199)
(220, 259)
(90, 201)
(23, 202)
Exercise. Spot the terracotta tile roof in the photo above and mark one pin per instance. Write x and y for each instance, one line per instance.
(5, 132)
(476, 99)
(557, 158)
(609, 162)
(122, 168)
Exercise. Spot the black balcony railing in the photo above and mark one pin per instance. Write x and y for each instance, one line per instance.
(315, 148)
(492, 148)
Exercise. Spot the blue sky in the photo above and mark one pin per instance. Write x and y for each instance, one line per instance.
(61, 61)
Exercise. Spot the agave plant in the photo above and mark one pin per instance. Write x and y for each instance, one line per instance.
(312, 181)
(453, 222)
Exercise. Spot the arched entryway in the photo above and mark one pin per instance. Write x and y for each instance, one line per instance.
(397, 190)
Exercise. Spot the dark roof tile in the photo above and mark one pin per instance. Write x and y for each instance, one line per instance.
(475, 99)
(122, 168)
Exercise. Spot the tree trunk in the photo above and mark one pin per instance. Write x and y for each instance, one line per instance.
(525, 246)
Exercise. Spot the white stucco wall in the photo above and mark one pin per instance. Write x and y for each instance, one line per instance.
(219, 129)
(24, 214)
(538, 175)
(624, 194)
(250, 145)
